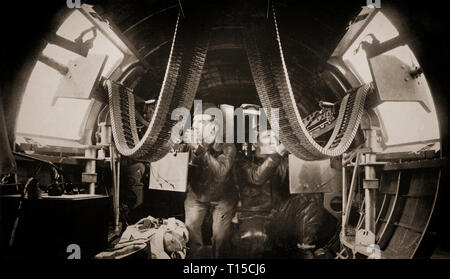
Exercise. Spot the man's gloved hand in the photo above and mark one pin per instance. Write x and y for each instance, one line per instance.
(201, 149)
(281, 149)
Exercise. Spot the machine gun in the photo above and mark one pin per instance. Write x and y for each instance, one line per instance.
(321, 121)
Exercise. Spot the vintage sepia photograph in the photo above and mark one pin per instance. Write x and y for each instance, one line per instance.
(224, 129)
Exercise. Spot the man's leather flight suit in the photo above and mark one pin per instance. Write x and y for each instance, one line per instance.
(211, 186)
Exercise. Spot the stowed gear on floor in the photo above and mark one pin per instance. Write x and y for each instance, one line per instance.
(157, 238)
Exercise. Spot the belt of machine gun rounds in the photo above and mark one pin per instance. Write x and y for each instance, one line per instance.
(184, 68)
(266, 59)
(267, 64)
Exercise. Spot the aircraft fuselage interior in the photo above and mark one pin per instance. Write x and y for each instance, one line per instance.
(225, 129)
